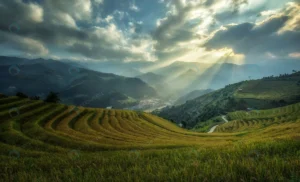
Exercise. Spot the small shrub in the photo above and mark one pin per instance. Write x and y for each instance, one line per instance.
(53, 98)
(22, 95)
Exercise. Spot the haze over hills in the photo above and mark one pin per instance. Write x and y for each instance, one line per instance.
(75, 84)
(192, 95)
(181, 78)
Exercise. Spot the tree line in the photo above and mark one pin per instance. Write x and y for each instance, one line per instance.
(52, 97)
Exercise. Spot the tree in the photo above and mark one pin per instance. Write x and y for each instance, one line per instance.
(22, 95)
(52, 97)
(183, 124)
(282, 102)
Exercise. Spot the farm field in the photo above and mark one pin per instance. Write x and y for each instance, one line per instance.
(53, 142)
(283, 117)
(285, 88)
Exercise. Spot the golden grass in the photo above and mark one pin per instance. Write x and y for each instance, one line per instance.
(64, 143)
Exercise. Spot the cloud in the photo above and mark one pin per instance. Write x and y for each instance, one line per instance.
(293, 11)
(70, 27)
(237, 3)
(186, 23)
(23, 44)
(269, 37)
(77, 9)
(164, 30)
(133, 7)
(295, 55)
(175, 28)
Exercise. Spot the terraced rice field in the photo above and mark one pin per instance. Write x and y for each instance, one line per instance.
(54, 142)
(55, 125)
(270, 89)
(245, 121)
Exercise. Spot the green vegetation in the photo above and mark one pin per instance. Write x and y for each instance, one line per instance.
(283, 87)
(52, 97)
(22, 95)
(257, 119)
(266, 93)
(53, 142)
(207, 125)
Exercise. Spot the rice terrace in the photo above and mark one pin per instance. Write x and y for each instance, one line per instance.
(91, 144)
(149, 91)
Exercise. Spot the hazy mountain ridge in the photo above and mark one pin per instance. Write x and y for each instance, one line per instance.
(39, 77)
(192, 95)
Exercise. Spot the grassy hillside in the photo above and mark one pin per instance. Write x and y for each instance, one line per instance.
(265, 93)
(272, 88)
(54, 142)
(279, 118)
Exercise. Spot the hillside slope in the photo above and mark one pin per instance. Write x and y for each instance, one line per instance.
(266, 93)
(241, 121)
(192, 95)
(75, 84)
(54, 142)
(32, 121)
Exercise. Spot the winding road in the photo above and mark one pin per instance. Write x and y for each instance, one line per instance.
(214, 127)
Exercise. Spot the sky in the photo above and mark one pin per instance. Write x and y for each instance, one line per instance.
(160, 31)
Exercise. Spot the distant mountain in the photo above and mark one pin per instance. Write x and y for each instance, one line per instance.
(118, 68)
(177, 68)
(192, 95)
(181, 78)
(266, 93)
(75, 85)
(160, 83)
(219, 75)
(182, 82)
(184, 77)
(152, 78)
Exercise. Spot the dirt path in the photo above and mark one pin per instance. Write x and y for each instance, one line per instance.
(214, 127)
(224, 118)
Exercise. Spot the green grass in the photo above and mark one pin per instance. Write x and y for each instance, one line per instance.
(272, 161)
(258, 119)
(54, 142)
(275, 89)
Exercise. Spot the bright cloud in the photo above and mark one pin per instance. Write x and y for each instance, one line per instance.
(161, 31)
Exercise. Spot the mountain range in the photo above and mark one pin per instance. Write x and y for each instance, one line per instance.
(74, 84)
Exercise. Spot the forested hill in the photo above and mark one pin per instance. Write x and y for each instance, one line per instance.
(266, 93)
